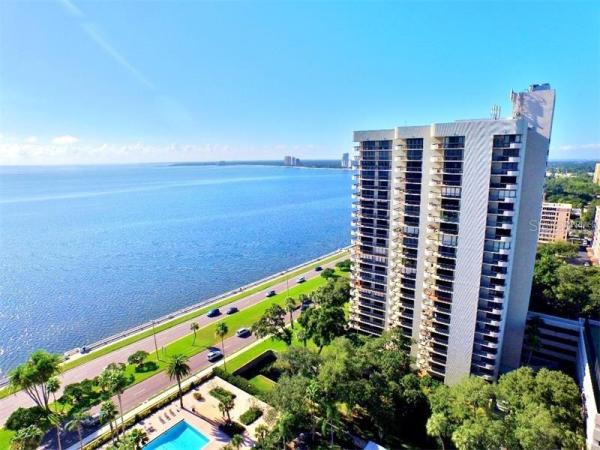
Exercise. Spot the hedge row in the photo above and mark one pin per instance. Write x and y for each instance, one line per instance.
(236, 380)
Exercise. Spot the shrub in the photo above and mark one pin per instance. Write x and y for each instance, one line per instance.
(24, 417)
(328, 273)
(344, 266)
(251, 416)
(138, 358)
(198, 396)
(221, 394)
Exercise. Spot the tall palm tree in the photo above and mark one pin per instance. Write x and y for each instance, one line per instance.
(194, 327)
(221, 332)
(114, 382)
(56, 420)
(290, 307)
(226, 404)
(177, 368)
(33, 375)
(108, 413)
(76, 422)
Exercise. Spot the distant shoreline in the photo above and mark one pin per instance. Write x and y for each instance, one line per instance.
(309, 164)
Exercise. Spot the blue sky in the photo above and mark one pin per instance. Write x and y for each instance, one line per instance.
(88, 82)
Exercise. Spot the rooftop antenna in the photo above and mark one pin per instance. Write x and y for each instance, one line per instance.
(496, 111)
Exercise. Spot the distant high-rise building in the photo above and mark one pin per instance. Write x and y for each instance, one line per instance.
(596, 178)
(554, 222)
(345, 160)
(443, 242)
(290, 161)
(596, 237)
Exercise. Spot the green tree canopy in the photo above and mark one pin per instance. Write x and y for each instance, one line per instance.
(33, 376)
(535, 411)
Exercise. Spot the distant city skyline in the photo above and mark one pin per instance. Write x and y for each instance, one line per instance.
(167, 82)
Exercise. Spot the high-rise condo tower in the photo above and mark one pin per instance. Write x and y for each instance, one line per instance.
(445, 225)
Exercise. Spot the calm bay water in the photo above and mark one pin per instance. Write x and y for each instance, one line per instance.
(86, 252)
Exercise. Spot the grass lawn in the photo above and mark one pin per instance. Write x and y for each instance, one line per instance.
(5, 436)
(200, 344)
(262, 383)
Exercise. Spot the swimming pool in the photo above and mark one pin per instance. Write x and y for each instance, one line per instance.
(182, 436)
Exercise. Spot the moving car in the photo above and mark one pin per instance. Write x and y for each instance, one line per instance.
(214, 313)
(301, 280)
(243, 332)
(270, 294)
(232, 310)
(213, 355)
(318, 269)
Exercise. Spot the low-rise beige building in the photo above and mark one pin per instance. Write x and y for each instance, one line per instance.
(555, 222)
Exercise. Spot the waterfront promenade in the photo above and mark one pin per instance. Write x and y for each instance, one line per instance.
(140, 392)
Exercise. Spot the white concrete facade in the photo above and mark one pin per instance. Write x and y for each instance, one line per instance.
(439, 210)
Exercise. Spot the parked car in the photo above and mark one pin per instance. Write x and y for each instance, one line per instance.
(270, 294)
(232, 310)
(214, 313)
(305, 305)
(301, 280)
(214, 355)
(243, 332)
(318, 269)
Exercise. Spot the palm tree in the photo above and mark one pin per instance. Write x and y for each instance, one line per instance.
(194, 327)
(77, 420)
(56, 419)
(108, 413)
(226, 404)
(53, 386)
(221, 332)
(114, 382)
(290, 307)
(237, 440)
(137, 437)
(177, 368)
(33, 375)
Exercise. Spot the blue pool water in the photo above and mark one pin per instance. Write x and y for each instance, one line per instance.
(86, 252)
(182, 436)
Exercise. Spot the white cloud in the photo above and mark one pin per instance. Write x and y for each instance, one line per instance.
(67, 139)
(31, 140)
(580, 147)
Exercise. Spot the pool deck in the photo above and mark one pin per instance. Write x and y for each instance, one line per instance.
(204, 415)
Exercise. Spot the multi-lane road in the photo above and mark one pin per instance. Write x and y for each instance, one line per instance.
(146, 389)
